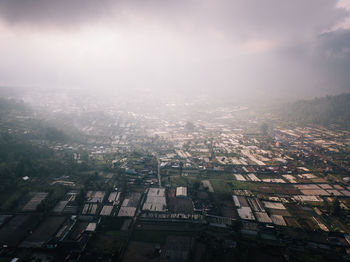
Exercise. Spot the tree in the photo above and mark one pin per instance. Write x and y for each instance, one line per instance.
(189, 126)
(196, 185)
(181, 166)
(264, 128)
(335, 207)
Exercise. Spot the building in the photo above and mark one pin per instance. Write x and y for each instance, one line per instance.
(181, 191)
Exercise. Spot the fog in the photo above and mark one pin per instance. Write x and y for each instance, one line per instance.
(231, 50)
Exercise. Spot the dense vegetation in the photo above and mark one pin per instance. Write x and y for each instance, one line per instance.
(330, 110)
(21, 154)
(19, 120)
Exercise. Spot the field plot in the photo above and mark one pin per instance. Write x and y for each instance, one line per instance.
(255, 204)
(90, 209)
(95, 196)
(114, 198)
(236, 201)
(292, 222)
(177, 248)
(158, 233)
(176, 181)
(108, 243)
(240, 177)
(302, 198)
(245, 213)
(338, 187)
(253, 177)
(155, 200)
(60, 206)
(280, 212)
(10, 199)
(290, 178)
(129, 205)
(243, 201)
(112, 223)
(228, 210)
(308, 187)
(43, 233)
(70, 209)
(106, 210)
(262, 217)
(274, 180)
(316, 192)
(4, 218)
(145, 251)
(307, 176)
(35, 201)
(278, 220)
(345, 193)
(221, 186)
(16, 229)
(207, 184)
(179, 205)
(325, 186)
(273, 205)
(127, 211)
(320, 224)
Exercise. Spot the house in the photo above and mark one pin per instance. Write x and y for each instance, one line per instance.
(181, 191)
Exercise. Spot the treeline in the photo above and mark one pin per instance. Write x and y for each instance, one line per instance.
(330, 110)
(13, 148)
(20, 158)
(22, 152)
(7, 105)
(19, 118)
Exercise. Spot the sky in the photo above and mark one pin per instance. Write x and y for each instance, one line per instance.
(220, 48)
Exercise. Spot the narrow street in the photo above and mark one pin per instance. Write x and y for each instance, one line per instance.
(159, 178)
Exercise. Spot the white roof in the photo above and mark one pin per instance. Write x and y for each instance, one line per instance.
(127, 211)
(155, 200)
(245, 213)
(273, 205)
(91, 227)
(181, 191)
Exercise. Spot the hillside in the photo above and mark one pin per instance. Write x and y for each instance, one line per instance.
(330, 110)
(21, 121)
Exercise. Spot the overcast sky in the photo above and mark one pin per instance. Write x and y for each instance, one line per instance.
(235, 48)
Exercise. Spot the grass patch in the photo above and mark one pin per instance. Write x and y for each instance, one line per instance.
(221, 186)
(176, 181)
(109, 242)
(218, 175)
(111, 223)
(10, 200)
(244, 185)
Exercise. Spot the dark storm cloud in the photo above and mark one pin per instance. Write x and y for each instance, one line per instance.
(294, 17)
(61, 12)
(284, 22)
(332, 54)
(326, 61)
(335, 46)
(72, 12)
(236, 46)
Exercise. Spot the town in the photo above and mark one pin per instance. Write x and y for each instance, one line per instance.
(179, 183)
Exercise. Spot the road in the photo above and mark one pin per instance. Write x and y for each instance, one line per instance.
(159, 179)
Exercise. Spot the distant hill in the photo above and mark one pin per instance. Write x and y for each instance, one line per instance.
(7, 105)
(19, 119)
(330, 110)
